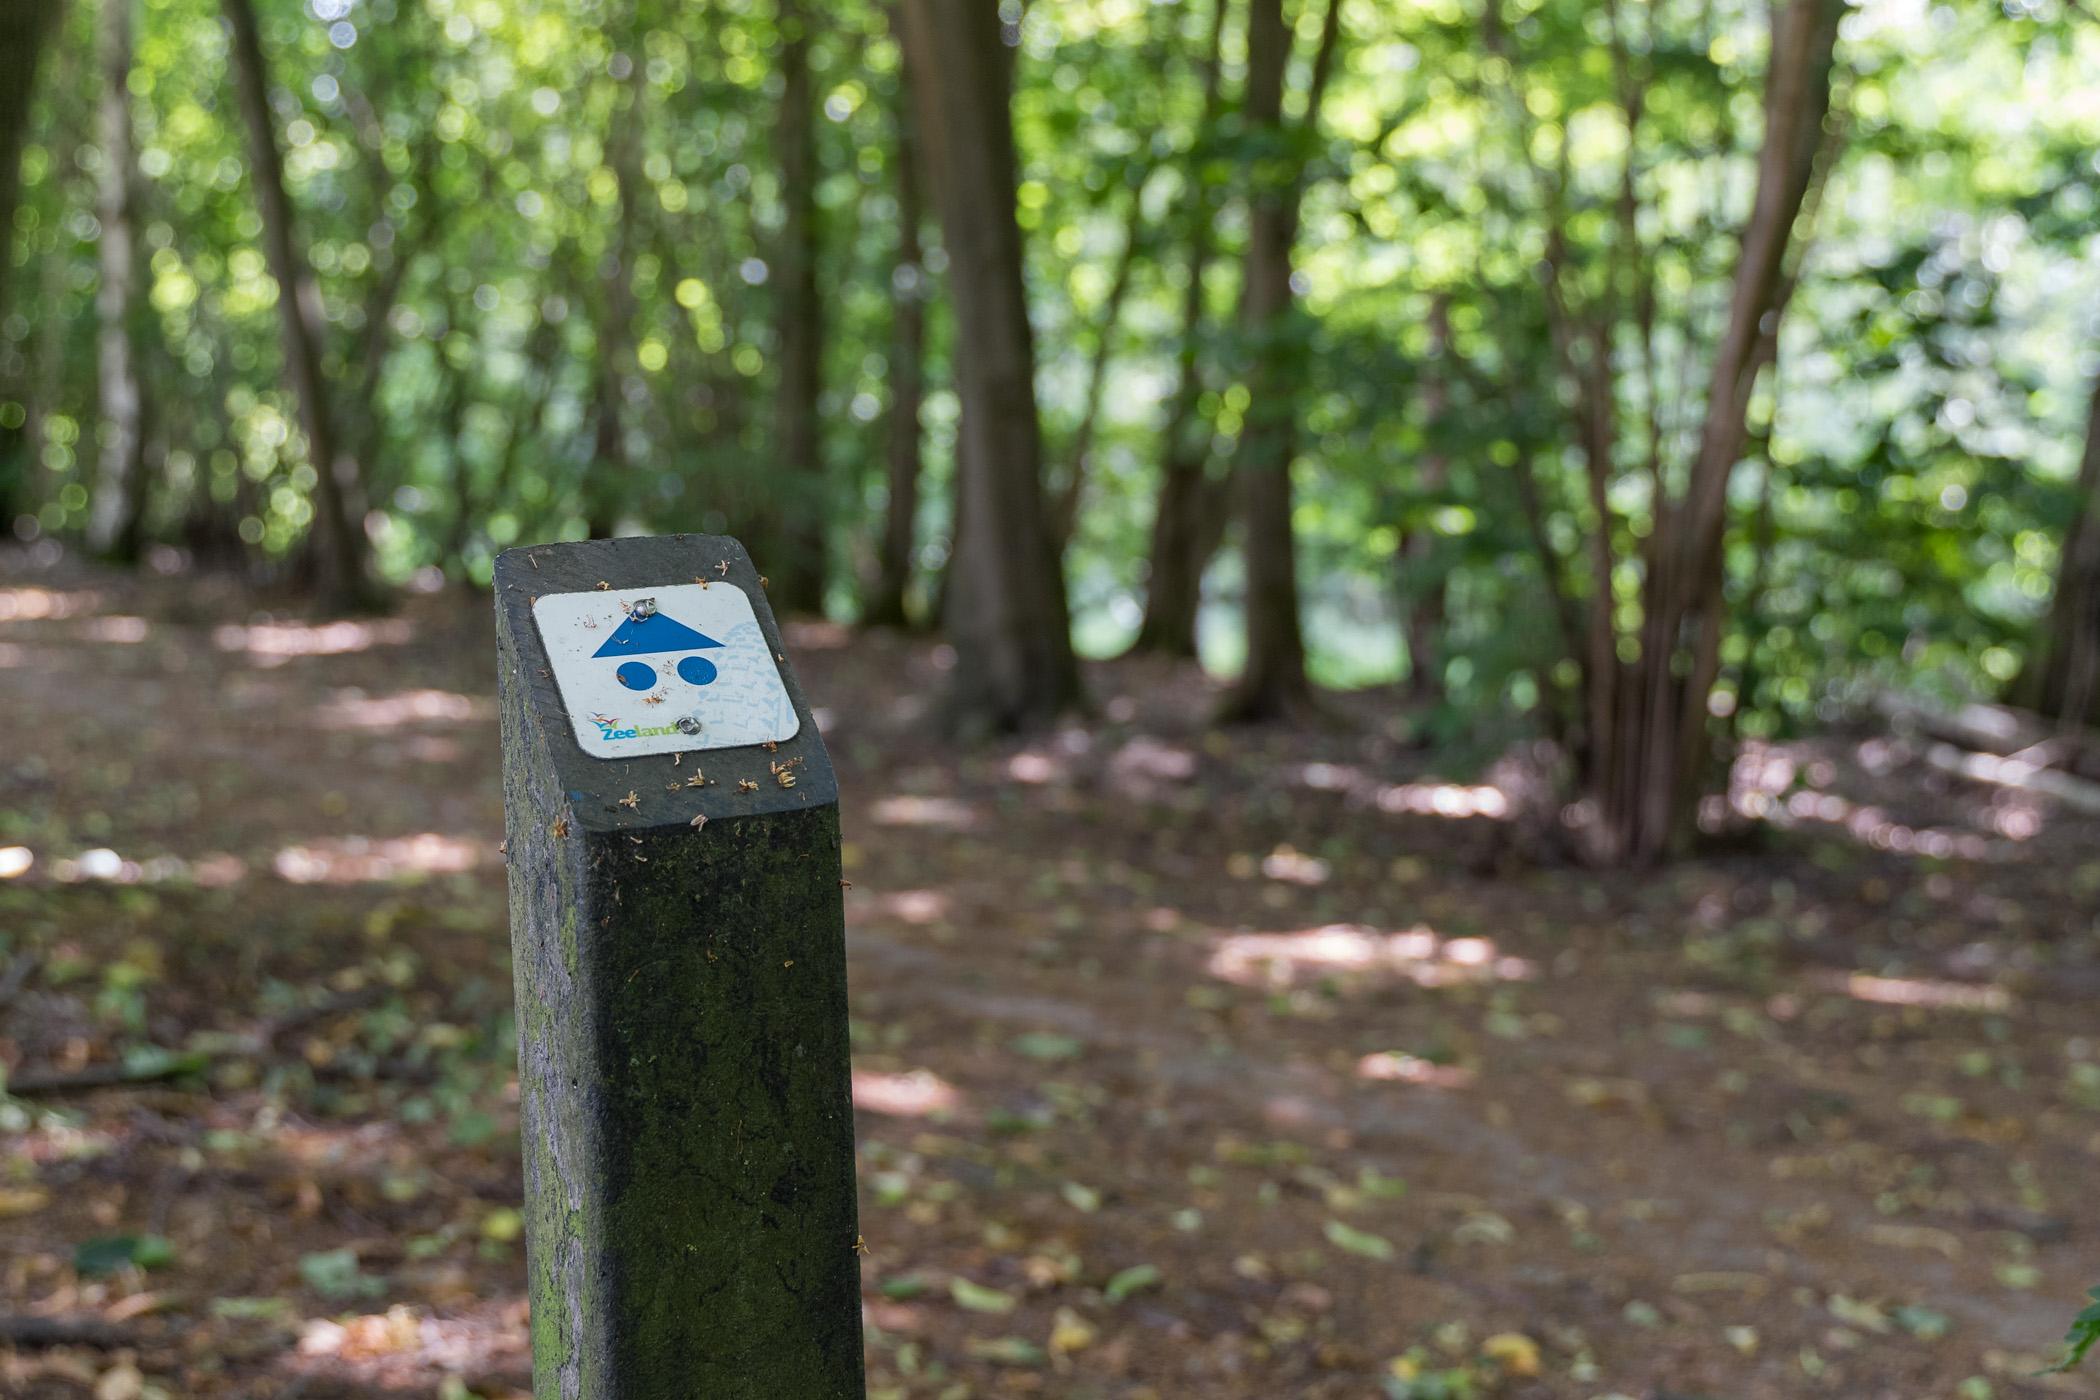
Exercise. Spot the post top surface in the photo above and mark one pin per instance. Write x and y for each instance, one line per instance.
(657, 682)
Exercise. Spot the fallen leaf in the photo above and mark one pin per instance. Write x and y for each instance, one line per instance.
(1514, 1352)
(1070, 1333)
(1135, 1279)
(978, 1298)
(1360, 1242)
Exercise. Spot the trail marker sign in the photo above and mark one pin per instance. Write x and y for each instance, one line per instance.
(666, 670)
(678, 936)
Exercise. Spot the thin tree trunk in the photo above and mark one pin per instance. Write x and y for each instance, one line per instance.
(1657, 728)
(2062, 680)
(25, 28)
(338, 540)
(1420, 582)
(117, 511)
(908, 290)
(1006, 610)
(798, 574)
(1552, 565)
(1763, 539)
(1273, 683)
(1177, 557)
(375, 341)
(450, 433)
(45, 376)
(605, 489)
(1066, 500)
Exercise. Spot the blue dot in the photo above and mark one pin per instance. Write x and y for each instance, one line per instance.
(697, 670)
(636, 676)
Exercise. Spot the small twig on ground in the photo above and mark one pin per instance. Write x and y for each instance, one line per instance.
(27, 1083)
(26, 1330)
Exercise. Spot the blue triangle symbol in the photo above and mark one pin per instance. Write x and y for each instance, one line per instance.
(637, 636)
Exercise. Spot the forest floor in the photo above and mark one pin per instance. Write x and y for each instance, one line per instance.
(1191, 1064)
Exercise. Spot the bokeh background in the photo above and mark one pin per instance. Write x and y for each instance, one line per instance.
(1462, 637)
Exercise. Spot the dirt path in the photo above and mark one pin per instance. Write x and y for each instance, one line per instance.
(1246, 1065)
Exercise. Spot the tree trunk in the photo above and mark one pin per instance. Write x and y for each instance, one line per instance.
(1420, 577)
(118, 508)
(1006, 610)
(1065, 501)
(1178, 556)
(1188, 525)
(908, 288)
(25, 26)
(1650, 729)
(1273, 683)
(798, 574)
(338, 539)
(2062, 679)
(605, 487)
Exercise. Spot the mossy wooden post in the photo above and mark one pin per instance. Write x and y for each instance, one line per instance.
(678, 931)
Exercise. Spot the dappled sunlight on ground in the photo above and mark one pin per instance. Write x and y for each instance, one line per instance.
(943, 812)
(408, 1352)
(908, 906)
(45, 604)
(1149, 758)
(804, 634)
(1424, 798)
(1418, 955)
(1295, 867)
(1443, 800)
(1927, 992)
(274, 643)
(106, 865)
(1776, 787)
(355, 859)
(101, 865)
(1035, 768)
(351, 709)
(1394, 1066)
(119, 629)
(1229, 1065)
(916, 1094)
(1143, 768)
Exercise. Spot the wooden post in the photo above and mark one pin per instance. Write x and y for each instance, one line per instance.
(678, 932)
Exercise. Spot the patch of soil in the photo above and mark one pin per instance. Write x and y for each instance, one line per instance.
(1234, 1064)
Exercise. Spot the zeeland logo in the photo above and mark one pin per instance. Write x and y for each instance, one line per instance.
(614, 729)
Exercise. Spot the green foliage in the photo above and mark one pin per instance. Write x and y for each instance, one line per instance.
(2083, 1336)
(472, 185)
(336, 1275)
(109, 1253)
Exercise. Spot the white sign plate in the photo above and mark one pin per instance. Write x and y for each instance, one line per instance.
(664, 670)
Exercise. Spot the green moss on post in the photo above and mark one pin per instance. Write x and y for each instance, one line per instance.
(683, 1052)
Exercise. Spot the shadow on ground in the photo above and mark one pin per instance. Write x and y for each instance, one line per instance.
(1189, 1064)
